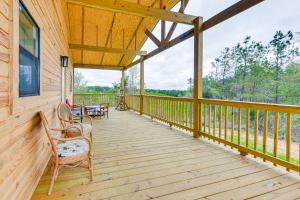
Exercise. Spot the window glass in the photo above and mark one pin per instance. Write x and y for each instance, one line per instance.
(29, 82)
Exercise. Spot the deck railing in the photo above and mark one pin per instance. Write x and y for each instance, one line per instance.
(133, 102)
(92, 99)
(268, 131)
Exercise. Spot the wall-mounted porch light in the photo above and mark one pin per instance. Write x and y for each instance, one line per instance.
(64, 61)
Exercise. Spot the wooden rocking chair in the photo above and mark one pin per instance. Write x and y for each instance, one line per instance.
(67, 118)
(67, 152)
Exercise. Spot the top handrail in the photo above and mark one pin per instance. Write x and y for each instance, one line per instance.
(239, 104)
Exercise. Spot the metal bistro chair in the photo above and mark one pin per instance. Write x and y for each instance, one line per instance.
(104, 109)
(67, 118)
(67, 152)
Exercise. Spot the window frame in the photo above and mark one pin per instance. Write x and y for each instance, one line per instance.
(36, 59)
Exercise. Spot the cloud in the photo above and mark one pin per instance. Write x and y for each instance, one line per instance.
(172, 68)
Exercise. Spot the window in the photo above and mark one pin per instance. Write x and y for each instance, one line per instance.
(29, 54)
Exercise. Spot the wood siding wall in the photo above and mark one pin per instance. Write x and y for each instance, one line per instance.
(24, 151)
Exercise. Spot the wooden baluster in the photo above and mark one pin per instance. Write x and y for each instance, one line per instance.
(170, 113)
(265, 134)
(226, 122)
(232, 124)
(200, 117)
(209, 118)
(178, 112)
(186, 114)
(220, 121)
(174, 111)
(215, 120)
(239, 125)
(191, 115)
(255, 129)
(247, 126)
(181, 113)
(204, 117)
(159, 109)
(276, 121)
(164, 108)
(288, 137)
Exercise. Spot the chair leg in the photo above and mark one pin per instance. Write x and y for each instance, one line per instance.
(91, 167)
(91, 135)
(52, 180)
(57, 171)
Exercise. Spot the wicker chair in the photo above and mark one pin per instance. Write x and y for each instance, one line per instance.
(67, 152)
(67, 118)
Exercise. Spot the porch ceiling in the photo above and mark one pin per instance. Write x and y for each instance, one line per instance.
(101, 28)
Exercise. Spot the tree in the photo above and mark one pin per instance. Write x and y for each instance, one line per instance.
(79, 82)
(190, 83)
(223, 68)
(283, 52)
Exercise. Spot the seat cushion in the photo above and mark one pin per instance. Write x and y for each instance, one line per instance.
(87, 128)
(72, 148)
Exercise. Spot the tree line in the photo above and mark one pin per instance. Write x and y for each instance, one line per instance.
(256, 72)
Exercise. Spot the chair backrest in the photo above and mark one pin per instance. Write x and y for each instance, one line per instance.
(68, 102)
(48, 132)
(64, 113)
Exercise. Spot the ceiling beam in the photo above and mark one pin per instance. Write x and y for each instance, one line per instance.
(106, 49)
(95, 66)
(166, 46)
(154, 39)
(129, 8)
(233, 10)
(174, 25)
(229, 12)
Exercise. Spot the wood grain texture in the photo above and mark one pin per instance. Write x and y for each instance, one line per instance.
(115, 30)
(24, 152)
(152, 161)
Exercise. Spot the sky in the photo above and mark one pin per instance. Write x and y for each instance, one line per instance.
(172, 68)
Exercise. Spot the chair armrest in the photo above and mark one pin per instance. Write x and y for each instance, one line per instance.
(84, 116)
(76, 106)
(71, 121)
(56, 129)
(74, 138)
(68, 127)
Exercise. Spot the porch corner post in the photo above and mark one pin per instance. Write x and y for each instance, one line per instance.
(198, 54)
(123, 80)
(142, 85)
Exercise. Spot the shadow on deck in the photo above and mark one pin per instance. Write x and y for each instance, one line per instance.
(136, 158)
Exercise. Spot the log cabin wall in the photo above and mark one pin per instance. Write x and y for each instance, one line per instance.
(24, 151)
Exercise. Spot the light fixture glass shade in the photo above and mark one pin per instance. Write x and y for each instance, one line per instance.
(64, 61)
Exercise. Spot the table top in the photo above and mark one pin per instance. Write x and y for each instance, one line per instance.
(93, 106)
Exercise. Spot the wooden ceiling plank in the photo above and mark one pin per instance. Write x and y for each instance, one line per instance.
(82, 30)
(107, 39)
(134, 37)
(129, 8)
(106, 49)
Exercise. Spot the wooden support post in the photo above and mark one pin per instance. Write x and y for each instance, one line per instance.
(123, 80)
(198, 45)
(142, 81)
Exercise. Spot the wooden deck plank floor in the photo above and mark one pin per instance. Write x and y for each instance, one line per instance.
(136, 158)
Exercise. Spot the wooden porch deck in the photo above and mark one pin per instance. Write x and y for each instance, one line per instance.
(136, 158)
